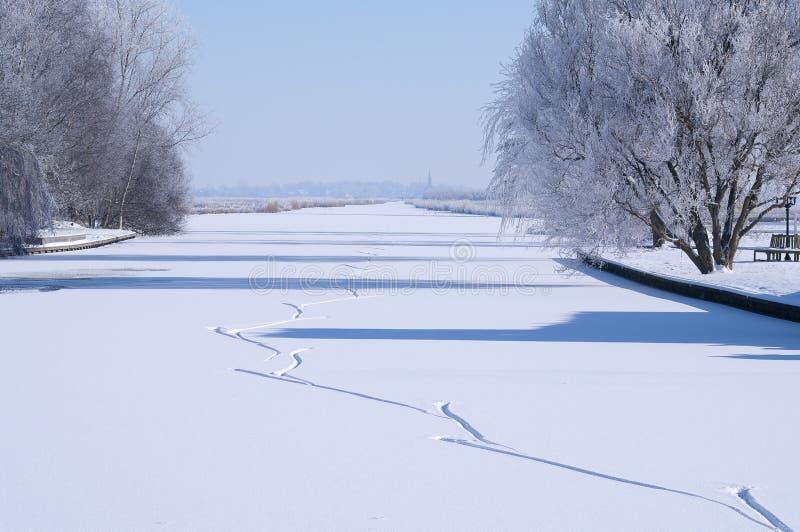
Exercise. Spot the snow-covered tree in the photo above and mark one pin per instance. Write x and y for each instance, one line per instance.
(96, 92)
(151, 55)
(51, 76)
(25, 205)
(617, 118)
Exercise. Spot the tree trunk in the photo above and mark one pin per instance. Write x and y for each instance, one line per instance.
(107, 216)
(704, 253)
(658, 229)
(130, 176)
(729, 251)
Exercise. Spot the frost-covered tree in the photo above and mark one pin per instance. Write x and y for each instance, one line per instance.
(25, 205)
(51, 72)
(151, 56)
(617, 118)
(157, 202)
(95, 91)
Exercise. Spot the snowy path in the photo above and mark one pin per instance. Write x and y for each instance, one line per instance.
(147, 386)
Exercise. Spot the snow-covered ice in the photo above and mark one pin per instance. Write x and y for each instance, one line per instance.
(381, 368)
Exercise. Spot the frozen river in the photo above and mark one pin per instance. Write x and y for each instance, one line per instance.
(382, 368)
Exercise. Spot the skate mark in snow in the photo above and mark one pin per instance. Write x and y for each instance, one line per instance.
(351, 297)
(372, 254)
(276, 323)
(295, 380)
(516, 454)
(746, 495)
(298, 311)
(444, 408)
(479, 442)
(484, 444)
(296, 361)
(237, 335)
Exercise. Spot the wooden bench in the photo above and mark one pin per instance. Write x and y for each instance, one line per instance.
(776, 254)
(779, 247)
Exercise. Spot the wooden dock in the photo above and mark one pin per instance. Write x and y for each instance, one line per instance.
(38, 250)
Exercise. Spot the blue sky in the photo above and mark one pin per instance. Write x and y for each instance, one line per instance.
(348, 90)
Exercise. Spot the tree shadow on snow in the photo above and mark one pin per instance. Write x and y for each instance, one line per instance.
(704, 328)
(736, 326)
(708, 324)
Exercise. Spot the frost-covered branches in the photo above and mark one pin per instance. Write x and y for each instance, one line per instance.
(25, 205)
(96, 91)
(680, 118)
(51, 72)
(151, 57)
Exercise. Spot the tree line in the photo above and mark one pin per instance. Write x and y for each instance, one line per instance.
(621, 119)
(95, 114)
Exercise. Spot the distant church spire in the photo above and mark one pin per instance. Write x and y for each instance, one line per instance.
(430, 181)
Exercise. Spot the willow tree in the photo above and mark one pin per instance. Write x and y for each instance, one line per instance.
(681, 118)
(52, 74)
(25, 205)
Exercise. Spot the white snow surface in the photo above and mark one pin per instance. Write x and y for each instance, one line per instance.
(313, 370)
(779, 281)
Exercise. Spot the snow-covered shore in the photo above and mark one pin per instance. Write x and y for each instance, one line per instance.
(779, 281)
(69, 236)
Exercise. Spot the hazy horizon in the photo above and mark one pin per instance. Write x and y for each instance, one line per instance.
(348, 92)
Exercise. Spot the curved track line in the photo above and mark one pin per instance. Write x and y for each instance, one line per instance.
(589, 472)
(223, 331)
(479, 442)
(237, 335)
(295, 380)
(487, 445)
(296, 361)
(444, 408)
(338, 300)
(298, 310)
(276, 323)
(746, 495)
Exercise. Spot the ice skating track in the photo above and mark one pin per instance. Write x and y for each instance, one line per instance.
(749, 509)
